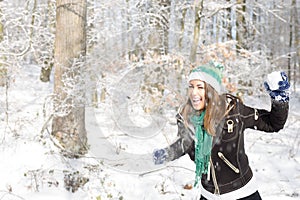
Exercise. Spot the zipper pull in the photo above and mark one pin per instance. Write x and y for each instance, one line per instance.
(221, 155)
(255, 114)
(208, 172)
(230, 125)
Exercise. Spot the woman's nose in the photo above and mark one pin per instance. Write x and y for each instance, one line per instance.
(194, 91)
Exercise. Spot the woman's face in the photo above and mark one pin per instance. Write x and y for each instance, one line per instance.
(196, 94)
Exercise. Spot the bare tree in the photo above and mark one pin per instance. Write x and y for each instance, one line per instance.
(182, 27)
(294, 34)
(68, 124)
(3, 70)
(195, 43)
(241, 24)
(227, 22)
(153, 33)
(160, 20)
(47, 60)
(297, 36)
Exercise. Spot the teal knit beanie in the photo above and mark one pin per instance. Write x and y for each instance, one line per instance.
(209, 73)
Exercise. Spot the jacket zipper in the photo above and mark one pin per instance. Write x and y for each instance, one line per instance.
(228, 163)
(213, 173)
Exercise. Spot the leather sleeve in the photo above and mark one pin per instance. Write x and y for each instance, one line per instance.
(183, 144)
(263, 120)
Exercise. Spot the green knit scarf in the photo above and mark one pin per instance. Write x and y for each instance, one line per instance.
(203, 145)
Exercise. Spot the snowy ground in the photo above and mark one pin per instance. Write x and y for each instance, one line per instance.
(119, 166)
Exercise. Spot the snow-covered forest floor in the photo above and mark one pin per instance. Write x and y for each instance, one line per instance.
(119, 166)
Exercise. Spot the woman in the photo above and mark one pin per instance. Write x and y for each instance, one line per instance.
(211, 130)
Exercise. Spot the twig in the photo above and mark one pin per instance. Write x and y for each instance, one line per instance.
(9, 193)
(221, 8)
(46, 124)
(163, 168)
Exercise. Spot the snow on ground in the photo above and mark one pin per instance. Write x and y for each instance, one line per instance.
(119, 166)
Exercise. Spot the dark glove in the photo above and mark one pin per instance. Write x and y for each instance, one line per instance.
(159, 156)
(277, 85)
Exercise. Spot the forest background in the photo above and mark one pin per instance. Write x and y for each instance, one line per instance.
(125, 64)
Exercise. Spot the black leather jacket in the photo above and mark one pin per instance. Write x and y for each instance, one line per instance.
(230, 169)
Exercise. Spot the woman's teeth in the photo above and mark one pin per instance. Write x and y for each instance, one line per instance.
(196, 100)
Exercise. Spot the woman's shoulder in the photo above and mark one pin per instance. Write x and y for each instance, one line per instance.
(232, 99)
(234, 103)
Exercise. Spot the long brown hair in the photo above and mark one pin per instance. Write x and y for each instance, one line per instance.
(215, 106)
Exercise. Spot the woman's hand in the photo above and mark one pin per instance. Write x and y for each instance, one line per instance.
(159, 156)
(277, 85)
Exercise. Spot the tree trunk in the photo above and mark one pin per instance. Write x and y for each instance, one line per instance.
(297, 42)
(3, 69)
(91, 29)
(290, 40)
(198, 13)
(48, 63)
(68, 124)
(241, 25)
(228, 23)
(182, 27)
(33, 20)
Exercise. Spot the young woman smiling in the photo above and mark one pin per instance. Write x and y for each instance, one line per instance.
(211, 130)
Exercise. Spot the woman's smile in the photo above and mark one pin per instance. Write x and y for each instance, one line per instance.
(197, 94)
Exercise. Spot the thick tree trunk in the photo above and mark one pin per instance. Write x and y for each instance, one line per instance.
(68, 124)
